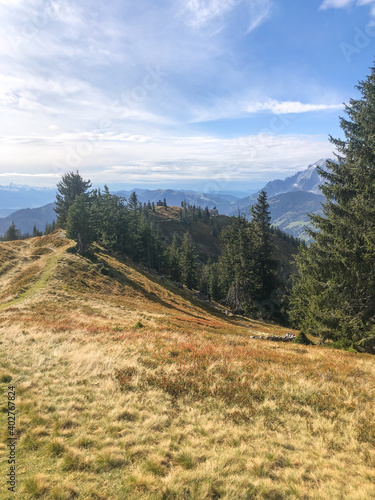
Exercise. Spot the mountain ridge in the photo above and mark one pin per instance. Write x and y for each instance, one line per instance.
(281, 194)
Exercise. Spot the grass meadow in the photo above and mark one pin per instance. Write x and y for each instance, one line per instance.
(128, 388)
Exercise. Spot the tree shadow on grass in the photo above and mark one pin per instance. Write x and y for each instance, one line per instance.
(123, 279)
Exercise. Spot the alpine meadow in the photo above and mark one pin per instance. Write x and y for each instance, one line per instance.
(187, 250)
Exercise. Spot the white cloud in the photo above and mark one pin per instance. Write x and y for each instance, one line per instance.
(286, 107)
(327, 4)
(259, 11)
(201, 12)
(335, 4)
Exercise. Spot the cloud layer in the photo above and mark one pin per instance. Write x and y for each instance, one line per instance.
(132, 158)
(129, 90)
(327, 4)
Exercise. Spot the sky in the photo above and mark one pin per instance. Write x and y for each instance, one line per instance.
(215, 95)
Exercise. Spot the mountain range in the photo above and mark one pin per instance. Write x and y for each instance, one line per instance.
(290, 200)
(15, 197)
(27, 218)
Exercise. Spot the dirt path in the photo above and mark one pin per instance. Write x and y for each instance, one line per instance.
(50, 266)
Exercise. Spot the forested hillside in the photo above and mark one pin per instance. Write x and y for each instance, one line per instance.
(245, 265)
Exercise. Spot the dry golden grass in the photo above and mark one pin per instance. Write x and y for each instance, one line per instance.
(186, 406)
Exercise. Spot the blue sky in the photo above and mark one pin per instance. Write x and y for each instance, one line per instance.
(210, 94)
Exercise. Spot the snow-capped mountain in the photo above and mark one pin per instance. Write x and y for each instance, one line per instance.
(14, 196)
(305, 180)
(290, 199)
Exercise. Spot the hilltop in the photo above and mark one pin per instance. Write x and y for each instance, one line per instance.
(129, 387)
(41, 274)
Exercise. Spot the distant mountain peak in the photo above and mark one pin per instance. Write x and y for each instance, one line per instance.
(319, 163)
(307, 180)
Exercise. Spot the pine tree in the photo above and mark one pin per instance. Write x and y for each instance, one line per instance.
(110, 219)
(147, 241)
(173, 260)
(12, 233)
(214, 290)
(49, 228)
(133, 202)
(204, 280)
(266, 265)
(36, 232)
(334, 293)
(236, 265)
(188, 263)
(79, 223)
(70, 186)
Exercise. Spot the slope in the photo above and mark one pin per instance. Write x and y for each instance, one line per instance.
(206, 235)
(129, 388)
(39, 275)
(27, 218)
(289, 211)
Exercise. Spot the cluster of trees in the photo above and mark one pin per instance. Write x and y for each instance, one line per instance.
(288, 238)
(334, 291)
(191, 213)
(245, 277)
(126, 227)
(13, 233)
(247, 269)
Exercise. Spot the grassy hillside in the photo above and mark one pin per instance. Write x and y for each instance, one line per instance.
(128, 388)
(205, 237)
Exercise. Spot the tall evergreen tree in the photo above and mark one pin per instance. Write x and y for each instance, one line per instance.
(12, 233)
(188, 263)
(237, 265)
(334, 293)
(173, 260)
(204, 280)
(214, 290)
(79, 225)
(36, 232)
(265, 264)
(133, 202)
(70, 186)
(49, 228)
(148, 247)
(110, 219)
